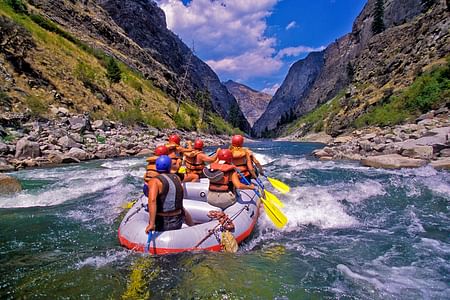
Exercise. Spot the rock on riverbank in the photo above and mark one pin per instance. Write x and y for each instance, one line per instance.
(409, 145)
(75, 138)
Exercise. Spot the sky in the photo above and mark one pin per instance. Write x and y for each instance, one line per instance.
(254, 42)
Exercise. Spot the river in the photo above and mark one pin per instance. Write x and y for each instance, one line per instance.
(353, 233)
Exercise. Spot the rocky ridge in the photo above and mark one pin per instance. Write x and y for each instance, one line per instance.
(71, 138)
(136, 33)
(251, 102)
(402, 146)
(372, 65)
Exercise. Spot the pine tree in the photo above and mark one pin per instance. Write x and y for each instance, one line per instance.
(113, 72)
(350, 71)
(427, 4)
(234, 115)
(18, 6)
(378, 23)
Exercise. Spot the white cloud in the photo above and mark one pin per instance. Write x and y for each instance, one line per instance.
(296, 51)
(229, 35)
(271, 90)
(291, 25)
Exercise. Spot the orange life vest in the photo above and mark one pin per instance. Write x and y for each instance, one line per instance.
(192, 164)
(240, 159)
(224, 184)
(151, 168)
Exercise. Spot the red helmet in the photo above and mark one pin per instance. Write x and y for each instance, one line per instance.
(237, 140)
(198, 145)
(161, 150)
(226, 155)
(174, 138)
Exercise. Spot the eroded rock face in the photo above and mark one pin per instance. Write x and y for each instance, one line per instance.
(9, 185)
(252, 103)
(391, 59)
(296, 86)
(137, 30)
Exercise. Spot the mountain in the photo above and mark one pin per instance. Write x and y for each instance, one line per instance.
(369, 66)
(251, 102)
(133, 33)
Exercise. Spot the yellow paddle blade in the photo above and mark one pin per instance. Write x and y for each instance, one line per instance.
(272, 198)
(282, 187)
(274, 214)
(129, 205)
(182, 170)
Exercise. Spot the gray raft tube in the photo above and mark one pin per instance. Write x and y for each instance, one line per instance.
(245, 212)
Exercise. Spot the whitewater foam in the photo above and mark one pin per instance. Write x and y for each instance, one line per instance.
(103, 260)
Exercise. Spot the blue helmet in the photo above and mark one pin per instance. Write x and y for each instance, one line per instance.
(163, 164)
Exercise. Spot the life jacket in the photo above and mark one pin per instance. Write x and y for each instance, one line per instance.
(172, 148)
(222, 183)
(171, 198)
(192, 165)
(151, 168)
(240, 159)
(174, 159)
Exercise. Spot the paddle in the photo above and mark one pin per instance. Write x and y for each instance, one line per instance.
(269, 196)
(273, 212)
(280, 186)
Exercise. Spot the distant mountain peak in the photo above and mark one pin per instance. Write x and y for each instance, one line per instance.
(252, 103)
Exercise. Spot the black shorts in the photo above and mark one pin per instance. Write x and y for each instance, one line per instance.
(168, 223)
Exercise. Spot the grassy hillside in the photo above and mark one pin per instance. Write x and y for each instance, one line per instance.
(73, 74)
(430, 90)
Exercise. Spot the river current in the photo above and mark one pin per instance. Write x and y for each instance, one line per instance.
(353, 233)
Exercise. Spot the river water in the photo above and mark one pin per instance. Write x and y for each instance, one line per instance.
(353, 233)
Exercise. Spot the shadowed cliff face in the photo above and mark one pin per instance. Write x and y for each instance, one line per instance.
(298, 82)
(412, 39)
(136, 32)
(251, 102)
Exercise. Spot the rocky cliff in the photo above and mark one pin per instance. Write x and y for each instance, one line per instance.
(251, 102)
(135, 32)
(297, 84)
(373, 65)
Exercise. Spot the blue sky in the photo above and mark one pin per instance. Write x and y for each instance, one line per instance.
(256, 41)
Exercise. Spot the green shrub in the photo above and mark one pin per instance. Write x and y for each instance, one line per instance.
(8, 138)
(428, 91)
(18, 6)
(183, 122)
(113, 72)
(52, 27)
(217, 125)
(85, 73)
(100, 139)
(36, 106)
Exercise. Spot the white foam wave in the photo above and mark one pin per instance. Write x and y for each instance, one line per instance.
(264, 159)
(101, 261)
(406, 281)
(415, 226)
(123, 164)
(61, 192)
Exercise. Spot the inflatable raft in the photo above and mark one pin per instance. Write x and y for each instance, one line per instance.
(244, 214)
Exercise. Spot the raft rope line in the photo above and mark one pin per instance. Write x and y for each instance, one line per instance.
(219, 226)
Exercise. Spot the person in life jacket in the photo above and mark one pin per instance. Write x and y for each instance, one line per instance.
(165, 199)
(151, 162)
(244, 159)
(223, 181)
(195, 161)
(176, 151)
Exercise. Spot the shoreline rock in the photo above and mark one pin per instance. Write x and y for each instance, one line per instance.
(407, 145)
(73, 138)
(9, 185)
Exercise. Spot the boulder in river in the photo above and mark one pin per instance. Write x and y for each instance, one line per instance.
(9, 185)
(5, 166)
(392, 161)
(77, 153)
(443, 163)
(26, 148)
